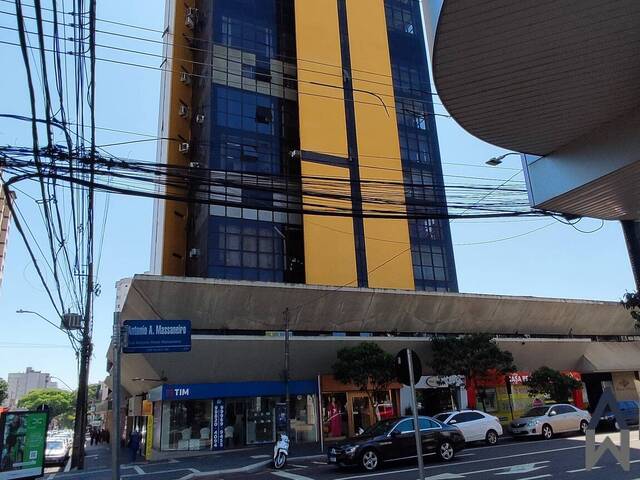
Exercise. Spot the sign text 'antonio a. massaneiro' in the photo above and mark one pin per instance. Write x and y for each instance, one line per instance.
(157, 336)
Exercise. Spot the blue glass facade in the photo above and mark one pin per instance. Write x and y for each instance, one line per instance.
(249, 103)
(431, 246)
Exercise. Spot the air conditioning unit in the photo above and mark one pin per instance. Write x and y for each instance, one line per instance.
(194, 252)
(185, 78)
(191, 17)
(200, 118)
(183, 147)
(183, 110)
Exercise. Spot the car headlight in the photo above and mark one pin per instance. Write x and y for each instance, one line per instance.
(350, 450)
(533, 423)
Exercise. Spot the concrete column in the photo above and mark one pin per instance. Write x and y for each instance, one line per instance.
(631, 229)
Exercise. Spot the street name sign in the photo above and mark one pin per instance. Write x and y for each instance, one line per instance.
(156, 336)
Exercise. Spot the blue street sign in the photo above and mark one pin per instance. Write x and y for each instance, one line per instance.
(156, 336)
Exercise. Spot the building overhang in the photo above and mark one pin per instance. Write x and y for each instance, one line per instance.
(557, 80)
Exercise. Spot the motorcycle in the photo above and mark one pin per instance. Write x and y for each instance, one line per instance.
(281, 452)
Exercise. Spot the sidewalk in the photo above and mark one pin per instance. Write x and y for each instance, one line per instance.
(199, 465)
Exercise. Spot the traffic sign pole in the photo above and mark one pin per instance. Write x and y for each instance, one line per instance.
(416, 423)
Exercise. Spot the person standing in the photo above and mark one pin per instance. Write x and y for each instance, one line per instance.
(134, 445)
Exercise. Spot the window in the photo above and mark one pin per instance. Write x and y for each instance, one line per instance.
(264, 115)
(404, 426)
(560, 409)
(426, 423)
(467, 417)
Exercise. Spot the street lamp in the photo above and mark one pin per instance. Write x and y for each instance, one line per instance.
(61, 380)
(495, 161)
(41, 316)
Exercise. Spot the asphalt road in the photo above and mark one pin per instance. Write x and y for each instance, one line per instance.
(561, 458)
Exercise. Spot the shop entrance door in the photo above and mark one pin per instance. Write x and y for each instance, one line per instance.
(261, 420)
(360, 414)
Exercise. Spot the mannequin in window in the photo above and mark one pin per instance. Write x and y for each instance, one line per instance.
(335, 418)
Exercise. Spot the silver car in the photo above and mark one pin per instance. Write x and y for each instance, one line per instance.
(548, 420)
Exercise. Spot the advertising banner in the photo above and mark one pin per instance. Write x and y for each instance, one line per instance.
(23, 436)
(217, 438)
(149, 439)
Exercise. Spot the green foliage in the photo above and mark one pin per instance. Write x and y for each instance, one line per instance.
(366, 366)
(94, 390)
(470, 355)
(4, 390)
(547, 381)
(631, 301)
(61, 403)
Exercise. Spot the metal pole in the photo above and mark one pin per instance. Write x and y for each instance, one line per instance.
(416, 423)
(286, 369)
(631, 230)
(320, 424)
(115, 400)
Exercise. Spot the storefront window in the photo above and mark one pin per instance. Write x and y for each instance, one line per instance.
(261, 420)
(303, 418)
(335, 423)
(234, 431)
(186, 425)
(487, 399)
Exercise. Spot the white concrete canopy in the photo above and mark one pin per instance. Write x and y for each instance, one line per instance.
(557, 79)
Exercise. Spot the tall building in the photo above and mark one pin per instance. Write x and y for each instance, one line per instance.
(325, 104)
(22, 383)
(5, 218)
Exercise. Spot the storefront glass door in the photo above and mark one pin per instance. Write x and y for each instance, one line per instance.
(261, 420)
(361, 414)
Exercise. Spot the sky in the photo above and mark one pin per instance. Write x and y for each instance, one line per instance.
(530, 257)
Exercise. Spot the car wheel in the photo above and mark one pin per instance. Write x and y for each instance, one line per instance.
(369, 460)
(446, 451)
(492, 437)
(583, 427)
(547, 432)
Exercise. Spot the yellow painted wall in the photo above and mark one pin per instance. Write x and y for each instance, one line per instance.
(174, 248)
(387, 240)
(328, 240)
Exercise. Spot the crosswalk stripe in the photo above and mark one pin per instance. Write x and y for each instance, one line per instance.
(291, 476)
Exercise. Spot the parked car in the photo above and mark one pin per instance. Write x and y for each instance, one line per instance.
(474, 425)
(394, 439)
(548, 420)
(630, 411)
(56, 451)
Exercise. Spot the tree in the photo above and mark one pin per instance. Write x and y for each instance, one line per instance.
(475, 356)
(366, 366)
(631, 301)
(547, 381)
(61, 403)
(4, 390)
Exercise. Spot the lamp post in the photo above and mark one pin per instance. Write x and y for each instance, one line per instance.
(61, 380)
(495, 161)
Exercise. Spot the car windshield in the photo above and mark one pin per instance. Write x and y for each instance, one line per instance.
(442, 417)
(380, 428)
(55, 445)
(536, 412)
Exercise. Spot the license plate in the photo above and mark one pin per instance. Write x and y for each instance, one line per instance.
(332, 459)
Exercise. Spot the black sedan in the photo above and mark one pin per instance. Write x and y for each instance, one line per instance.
(630, 411)
(394, 439)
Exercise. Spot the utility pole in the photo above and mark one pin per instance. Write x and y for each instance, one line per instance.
(286, 368)
(80, 424)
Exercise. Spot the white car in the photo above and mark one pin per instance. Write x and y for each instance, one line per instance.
(474, 425)
(548, 420)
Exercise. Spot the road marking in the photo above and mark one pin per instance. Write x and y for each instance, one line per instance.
(290, 476)
(524, 468)
(319, 463)
(481, 460)
(298, 466)
(259, 456)
(493, 469)
(578, 470)
(534, 478)
(138, 470)
(446, 476)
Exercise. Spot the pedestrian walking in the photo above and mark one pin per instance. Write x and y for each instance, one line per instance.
(134, 445)
(92, 434)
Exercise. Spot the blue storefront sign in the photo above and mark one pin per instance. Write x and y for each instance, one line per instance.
(157, 336)
(201, 391)
(217, 442)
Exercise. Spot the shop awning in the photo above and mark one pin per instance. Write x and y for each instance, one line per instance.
(610, 357)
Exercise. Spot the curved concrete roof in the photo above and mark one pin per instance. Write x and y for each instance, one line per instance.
(532, 76)
(222, 305)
